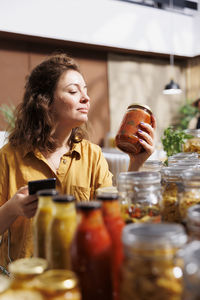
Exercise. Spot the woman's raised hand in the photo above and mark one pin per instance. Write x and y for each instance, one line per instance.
(146, 134)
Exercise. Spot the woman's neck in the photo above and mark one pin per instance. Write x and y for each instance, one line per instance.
(62, 137)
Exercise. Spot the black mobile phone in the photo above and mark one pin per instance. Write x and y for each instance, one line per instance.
(36, 185)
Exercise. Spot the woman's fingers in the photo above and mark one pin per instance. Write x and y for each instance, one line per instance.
(154, 123)
(145, 136)
(149, 148)
(23, 190)
(30, 199)
(29, 210)
(146, 128)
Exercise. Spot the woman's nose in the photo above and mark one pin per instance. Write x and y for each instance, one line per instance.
(85, 97)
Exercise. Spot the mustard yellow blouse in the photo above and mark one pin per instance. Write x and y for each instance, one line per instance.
(81, 172)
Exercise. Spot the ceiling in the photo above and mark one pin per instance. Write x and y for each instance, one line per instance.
(188, 7)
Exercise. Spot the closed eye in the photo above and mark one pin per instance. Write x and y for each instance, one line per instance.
(72, 92)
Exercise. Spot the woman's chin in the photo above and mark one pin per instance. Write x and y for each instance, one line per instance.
(82, 121)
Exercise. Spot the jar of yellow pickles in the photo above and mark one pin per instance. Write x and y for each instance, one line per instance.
(61, 232)
(41, 221)
(4, 283)
(23, 270)
(151, 267)
(58, 285)
(21, 294)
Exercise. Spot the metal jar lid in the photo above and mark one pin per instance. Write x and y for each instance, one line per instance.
(142, 106)
(56, 280)
(28, 266)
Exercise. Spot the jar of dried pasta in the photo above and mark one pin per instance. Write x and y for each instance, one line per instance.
(191, 192)
(141, 193)
(192, 144)
(152, 268)
(191, 274)
(172, 186)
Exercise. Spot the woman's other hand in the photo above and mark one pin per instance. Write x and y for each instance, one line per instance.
(24, 204)
(146, 134)
(21, 204)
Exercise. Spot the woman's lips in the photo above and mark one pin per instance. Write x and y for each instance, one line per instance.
(83, 110)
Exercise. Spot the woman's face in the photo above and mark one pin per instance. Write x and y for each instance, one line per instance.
(71, 102)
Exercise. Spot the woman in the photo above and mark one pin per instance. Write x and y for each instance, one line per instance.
(48, 141)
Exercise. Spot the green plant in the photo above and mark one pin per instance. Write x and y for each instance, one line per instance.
(173, 139)
(187, 112)
(8, 113)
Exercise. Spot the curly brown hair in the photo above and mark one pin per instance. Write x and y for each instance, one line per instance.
(34, 123)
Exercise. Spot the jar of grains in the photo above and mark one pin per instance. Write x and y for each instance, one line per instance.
(191, 192)
(172, 186)
(192, 144)
(151, 268)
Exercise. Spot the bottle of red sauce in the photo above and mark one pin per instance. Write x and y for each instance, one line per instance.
(115, 224)
(91, 253)
(127, 139)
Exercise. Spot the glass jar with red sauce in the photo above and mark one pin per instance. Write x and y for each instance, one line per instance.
(91, 253)
(114, 224)
(127, 139)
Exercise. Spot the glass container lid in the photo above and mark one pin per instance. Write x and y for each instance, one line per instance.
(28, 266)
(140, 177)
(56, 280)
(154, 235)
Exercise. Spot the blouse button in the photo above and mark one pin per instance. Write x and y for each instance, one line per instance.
(64, 161)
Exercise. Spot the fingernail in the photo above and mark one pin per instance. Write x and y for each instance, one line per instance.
(141, 140)
(139, 130)
(142, 123)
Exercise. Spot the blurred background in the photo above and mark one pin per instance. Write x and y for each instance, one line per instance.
(128, 51)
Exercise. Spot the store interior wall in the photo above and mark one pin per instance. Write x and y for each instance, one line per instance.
(18, 58)
(114, 81)
(131, 65)
(141, 80)
(193, 78)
